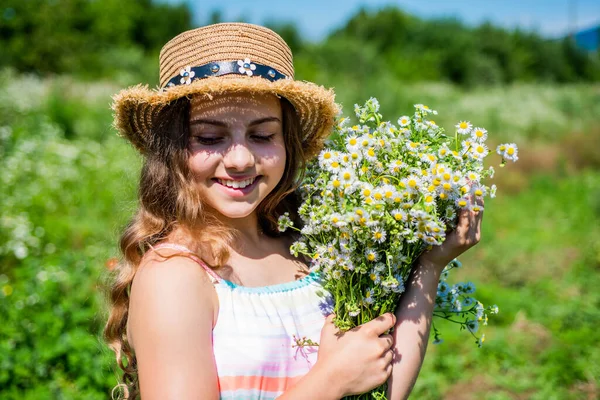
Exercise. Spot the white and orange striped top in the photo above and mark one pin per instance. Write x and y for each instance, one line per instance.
(258, 332)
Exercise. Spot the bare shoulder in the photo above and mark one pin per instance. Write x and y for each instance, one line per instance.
(170, 291)
(171, 316)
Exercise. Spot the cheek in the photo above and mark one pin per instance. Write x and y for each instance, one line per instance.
(202, 164)
(274, 158)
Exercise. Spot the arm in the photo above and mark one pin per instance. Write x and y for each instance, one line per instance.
(415, 309)
(171, 315)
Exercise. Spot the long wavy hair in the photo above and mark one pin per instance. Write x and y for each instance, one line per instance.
(168, 201)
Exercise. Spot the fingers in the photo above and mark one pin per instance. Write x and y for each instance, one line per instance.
(387, 342)
(382, 323)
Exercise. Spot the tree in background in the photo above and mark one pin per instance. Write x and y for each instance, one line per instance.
(84, 37)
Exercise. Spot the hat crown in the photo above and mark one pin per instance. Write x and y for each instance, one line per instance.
(224, 42)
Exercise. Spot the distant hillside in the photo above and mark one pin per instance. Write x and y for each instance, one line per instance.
(588, 39)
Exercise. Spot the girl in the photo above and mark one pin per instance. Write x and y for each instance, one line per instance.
(208, 302)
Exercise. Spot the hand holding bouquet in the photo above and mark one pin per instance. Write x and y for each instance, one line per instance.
(380, 194)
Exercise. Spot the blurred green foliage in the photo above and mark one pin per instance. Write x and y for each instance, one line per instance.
(121, 40)
(88, 38)
(391, 42)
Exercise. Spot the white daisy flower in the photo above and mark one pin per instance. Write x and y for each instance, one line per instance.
(325, 157)
(371, 255)
(475, 208)
(479, 151)
(478, 190)
(399, 215)
(479, 134)
(404, 121)
(493, 190)
(364, 142)
(337, 274)
(450, 213)
(473, 176)
(352, 143)
(375, 277)
(508, 151)
(369, 297)
(333, 166)
(462, 202)
(464, 127)
(370, 154)
(379, 235)
(347, 176)
(396, 166)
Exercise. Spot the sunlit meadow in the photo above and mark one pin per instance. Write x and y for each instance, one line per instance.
(68, 187)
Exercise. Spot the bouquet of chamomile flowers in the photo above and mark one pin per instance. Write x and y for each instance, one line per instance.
(376, 197)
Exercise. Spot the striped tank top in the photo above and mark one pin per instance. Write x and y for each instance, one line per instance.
(263, 335)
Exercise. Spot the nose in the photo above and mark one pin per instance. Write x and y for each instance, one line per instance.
(239, 157)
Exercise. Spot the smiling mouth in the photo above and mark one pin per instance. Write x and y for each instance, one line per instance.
(237, 184)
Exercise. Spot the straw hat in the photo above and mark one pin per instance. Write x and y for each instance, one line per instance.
(227, 57)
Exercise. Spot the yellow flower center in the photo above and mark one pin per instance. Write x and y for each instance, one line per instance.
(478, 192)
(367, 192)
(443, 196)
(335, 164)
(510, 151)
(352, 141)
(412, 183)
(371, 257)
(378, 196)
(397, 216)
(378, 235)
(447, 186)
(347, 175)
(428, 199)
(463, 125)
(327, 156)
(371, 152)
(336, 183)
(462, 203)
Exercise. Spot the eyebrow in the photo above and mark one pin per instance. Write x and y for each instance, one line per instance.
(225, 125)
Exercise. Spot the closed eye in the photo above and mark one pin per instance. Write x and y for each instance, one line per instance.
(207, 140)
(262, 137)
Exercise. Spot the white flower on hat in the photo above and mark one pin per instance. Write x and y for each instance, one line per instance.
(186, 75)
(246, 66)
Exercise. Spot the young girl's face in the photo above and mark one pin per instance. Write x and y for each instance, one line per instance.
(237, 151)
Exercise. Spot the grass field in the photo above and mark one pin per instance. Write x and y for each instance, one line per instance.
(69, 186)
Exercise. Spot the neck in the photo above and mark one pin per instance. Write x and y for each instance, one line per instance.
(249, 234)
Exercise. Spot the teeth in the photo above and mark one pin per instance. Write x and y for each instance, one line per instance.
(237, 184)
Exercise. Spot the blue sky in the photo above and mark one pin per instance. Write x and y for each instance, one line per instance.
(315, 18)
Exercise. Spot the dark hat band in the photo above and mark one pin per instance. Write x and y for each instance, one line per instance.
(241, 67)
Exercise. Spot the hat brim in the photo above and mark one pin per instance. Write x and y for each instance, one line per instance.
(135, 108)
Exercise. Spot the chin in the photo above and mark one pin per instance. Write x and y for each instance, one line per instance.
(234, 212)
